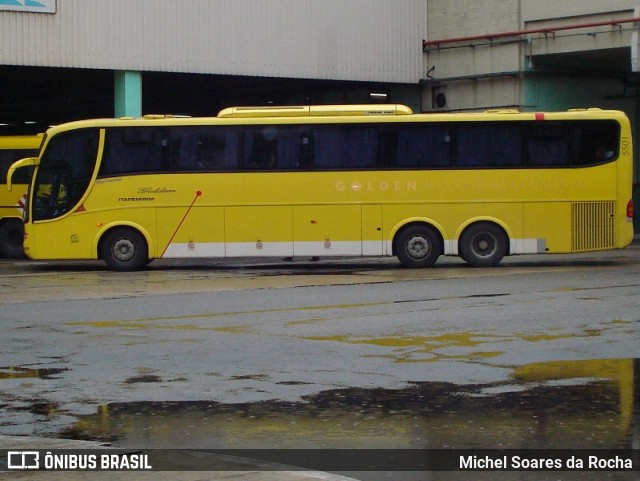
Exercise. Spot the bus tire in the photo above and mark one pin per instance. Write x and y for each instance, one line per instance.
(483, 244)
(418, 246)
(11, 239)
(125, 249)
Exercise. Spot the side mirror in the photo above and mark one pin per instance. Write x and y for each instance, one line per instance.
(28, 162)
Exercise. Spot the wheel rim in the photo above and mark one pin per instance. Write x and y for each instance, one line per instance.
(123, 250)
(418, 247)
(484, 244)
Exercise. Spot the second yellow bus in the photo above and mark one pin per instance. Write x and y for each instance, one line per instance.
(12, 148)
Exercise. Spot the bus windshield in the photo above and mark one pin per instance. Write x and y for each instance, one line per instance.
(65, 172)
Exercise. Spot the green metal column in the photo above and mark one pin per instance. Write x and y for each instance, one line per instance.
(128, 94)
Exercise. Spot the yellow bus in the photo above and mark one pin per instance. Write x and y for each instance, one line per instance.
(12, 148)
(356, 180)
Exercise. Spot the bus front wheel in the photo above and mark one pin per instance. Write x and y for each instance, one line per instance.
(125, 249)
(418, 246)
(483, 245)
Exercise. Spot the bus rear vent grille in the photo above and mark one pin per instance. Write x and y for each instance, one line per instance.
(592, 226)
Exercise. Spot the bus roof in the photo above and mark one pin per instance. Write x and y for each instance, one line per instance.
(362, 113)
(316, 111)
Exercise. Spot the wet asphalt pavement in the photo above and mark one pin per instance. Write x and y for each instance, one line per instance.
(537, 353)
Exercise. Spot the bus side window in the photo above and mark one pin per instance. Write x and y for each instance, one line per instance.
(259, 148)
(134, 149)
(389, 146)
(348, 147)
(305, 157)
(597, 142)
(548, 144)
(291, 147)
(363, 148)
(277, 148)
(231, 160)
(424, 146)
(489, 145)
(330, 146)
(200, 149)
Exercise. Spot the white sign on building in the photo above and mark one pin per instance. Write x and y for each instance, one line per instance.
(37, 6)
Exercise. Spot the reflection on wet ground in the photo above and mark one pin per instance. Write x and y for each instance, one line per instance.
(46, 281)
(576, 404)
(593, 404)
(22, 372)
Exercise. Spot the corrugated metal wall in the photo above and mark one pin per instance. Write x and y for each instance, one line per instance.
(373, 40)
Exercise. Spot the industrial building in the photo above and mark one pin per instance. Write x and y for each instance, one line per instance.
(122, 57)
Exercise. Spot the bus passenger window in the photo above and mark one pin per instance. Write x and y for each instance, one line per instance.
(548, 144)
(277, 148)
(260, 149)
(346, 147)
(597, 142)
(305, 157)
(202, 149)
(489, 145)
(132, 150)
(211, 153)
(424, 146)
(331, 146)
(292, 145)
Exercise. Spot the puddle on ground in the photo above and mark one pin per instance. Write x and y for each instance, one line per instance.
(562, 404)
(592, 404)
(10, 372)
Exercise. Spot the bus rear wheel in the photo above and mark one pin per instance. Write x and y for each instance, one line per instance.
(418, 246)
(125, 249)
(11, 238)
(483, 245)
